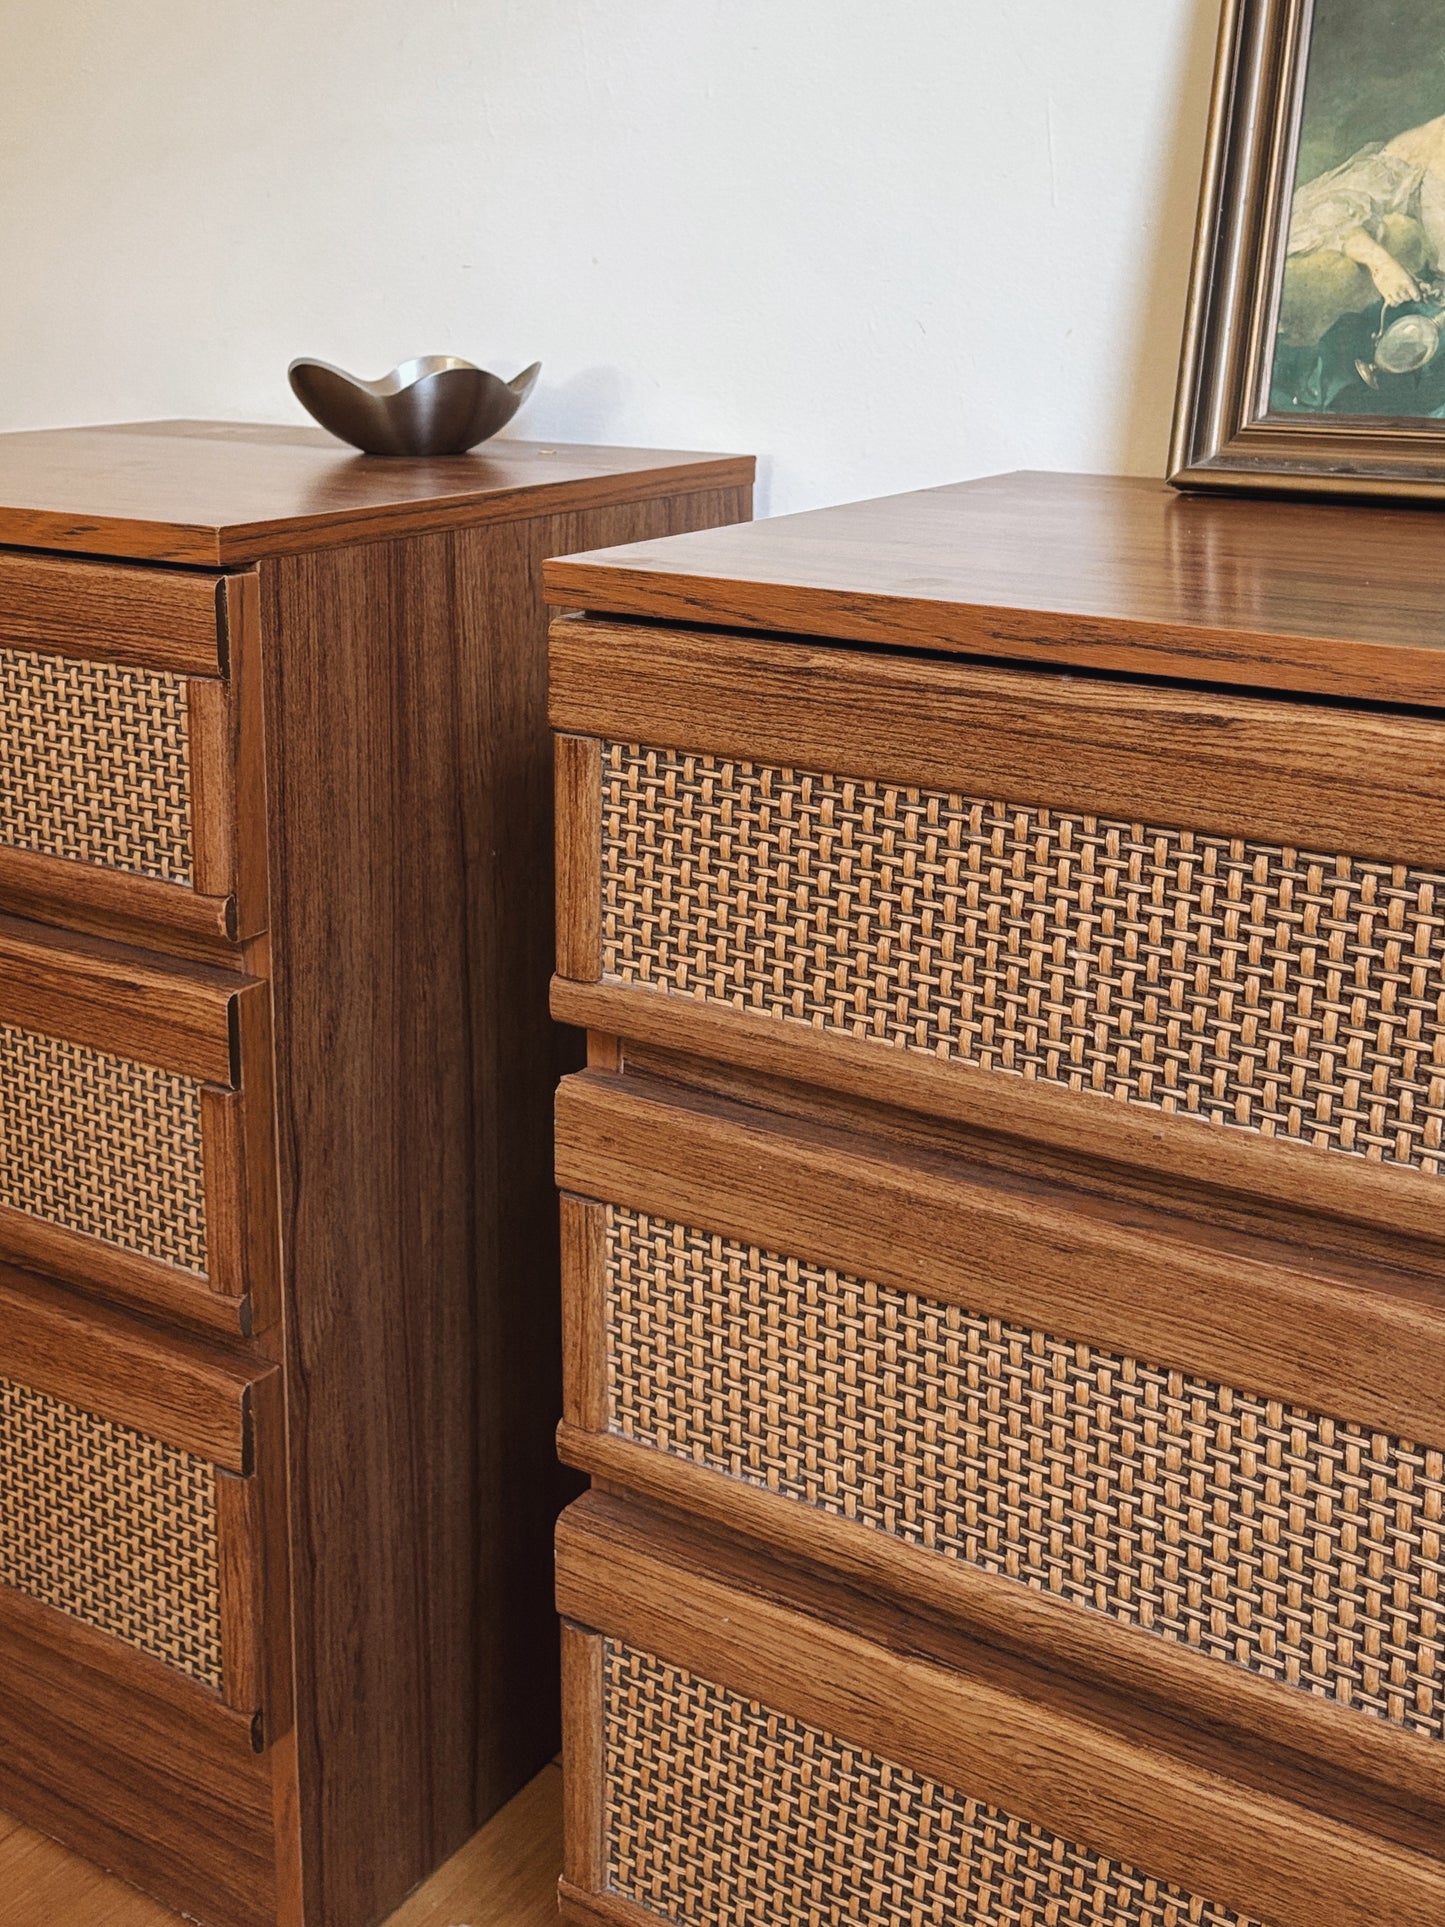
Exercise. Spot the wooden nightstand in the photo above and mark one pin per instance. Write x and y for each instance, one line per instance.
(277, 1242)
(1004, 1245)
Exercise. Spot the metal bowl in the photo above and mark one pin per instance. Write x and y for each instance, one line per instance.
(437, 405)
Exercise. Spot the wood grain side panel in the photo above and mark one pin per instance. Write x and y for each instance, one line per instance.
(259, 1199)
(1317, 1736)
(189, 1394)
(273, 1559)
(409, 787)
(1323, 778)
(375, 1121)
(604, 1053)
(132, 1766)
(1032, 1753)
(510, 853)
(155, 618)
(1357, 1346)
(1339, 1189)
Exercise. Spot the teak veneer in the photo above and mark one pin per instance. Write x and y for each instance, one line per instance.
(1003, 1255)
(227, 494)
(278, 1322)
(1110, 573)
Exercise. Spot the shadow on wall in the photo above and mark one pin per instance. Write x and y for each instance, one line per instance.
(592, 406)
(589, 406)
(1159, 328)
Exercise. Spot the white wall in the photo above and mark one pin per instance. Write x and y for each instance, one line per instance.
(886, 243)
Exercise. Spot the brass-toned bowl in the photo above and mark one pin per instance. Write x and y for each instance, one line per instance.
(437, 405)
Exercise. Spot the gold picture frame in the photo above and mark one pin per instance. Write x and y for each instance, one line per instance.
(1227, 433)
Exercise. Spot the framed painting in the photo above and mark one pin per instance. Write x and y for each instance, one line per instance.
(1314, 354)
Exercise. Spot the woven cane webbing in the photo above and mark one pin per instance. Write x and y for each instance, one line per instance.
(1301, 1548)
(101, 1145)
(1280, 991)
(110, 1528)
(721, 1811)
(96, 764)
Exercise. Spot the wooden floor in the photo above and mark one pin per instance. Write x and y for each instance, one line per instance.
(505, 1877)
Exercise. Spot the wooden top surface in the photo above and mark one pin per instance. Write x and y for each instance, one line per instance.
(1097, 572)
(226, 493)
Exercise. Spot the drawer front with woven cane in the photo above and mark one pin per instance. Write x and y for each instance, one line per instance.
(1082, 1426)
(744, 1752)
(142, 1583)
(1015, 911)
(114, 1528)
(1002, 1213)
(720, 1808)
(136, 1101)
(123, 743)
(134, 1474)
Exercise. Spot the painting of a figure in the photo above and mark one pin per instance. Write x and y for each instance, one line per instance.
(1361, 316)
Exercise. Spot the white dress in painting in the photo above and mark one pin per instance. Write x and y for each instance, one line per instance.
(1364, 232)
(1360, 193)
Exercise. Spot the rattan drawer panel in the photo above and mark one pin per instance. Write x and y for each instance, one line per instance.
(1291, 993)
(96, 764)
(720, 1809)
(98, 1144)
(129, 732)
(112, 1528)
(1298, 1547)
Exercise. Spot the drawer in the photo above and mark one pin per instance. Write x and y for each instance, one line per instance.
(129, 729)
(1198, 932)
(136, 1129)
(144, 1651)
(139, 1479)
(1183, 1464)
(743, 1745)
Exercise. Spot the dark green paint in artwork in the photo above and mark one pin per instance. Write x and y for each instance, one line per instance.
(1376, 67)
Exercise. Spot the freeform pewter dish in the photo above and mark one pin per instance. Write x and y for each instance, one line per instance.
(436, 405)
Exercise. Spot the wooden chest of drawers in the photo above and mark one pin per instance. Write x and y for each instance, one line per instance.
(1002, 1224)
(276, 1225)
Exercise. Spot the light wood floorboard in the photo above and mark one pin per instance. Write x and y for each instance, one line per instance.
(506, 1876)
